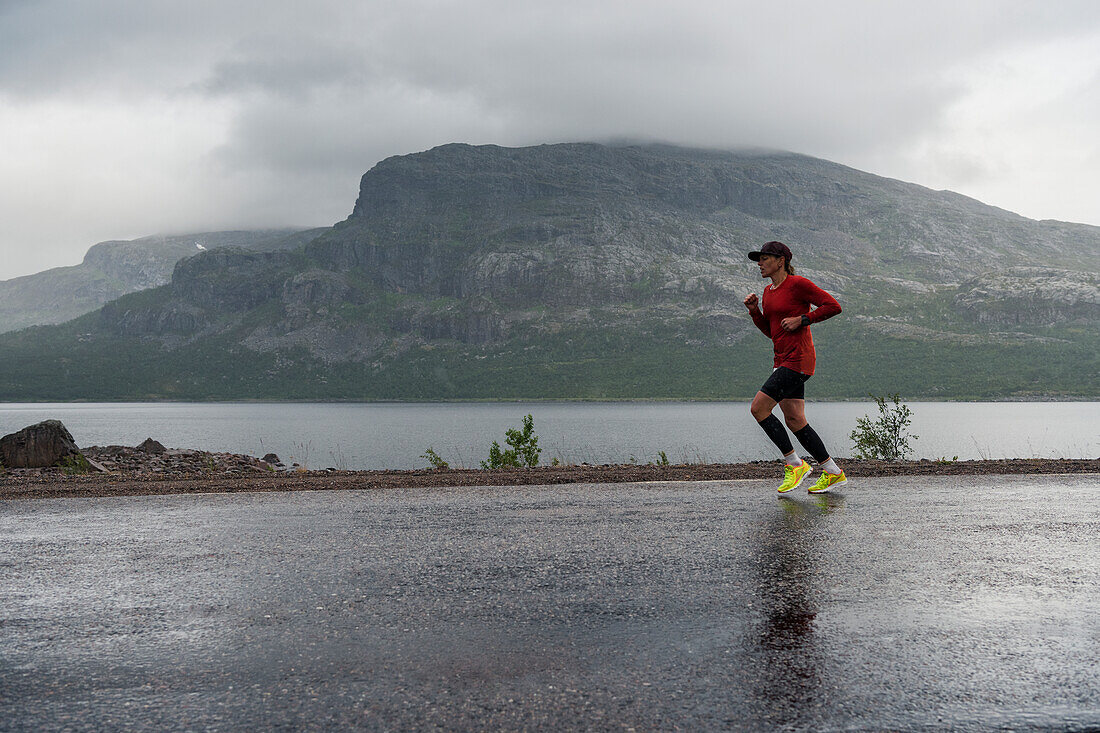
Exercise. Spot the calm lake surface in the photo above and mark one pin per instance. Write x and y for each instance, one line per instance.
(371, 435)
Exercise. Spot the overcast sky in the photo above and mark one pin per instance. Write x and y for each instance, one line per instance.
(123, 118)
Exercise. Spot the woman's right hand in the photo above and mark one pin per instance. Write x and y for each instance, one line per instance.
(751, 301)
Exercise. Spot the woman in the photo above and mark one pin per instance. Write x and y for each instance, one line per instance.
(786, 320)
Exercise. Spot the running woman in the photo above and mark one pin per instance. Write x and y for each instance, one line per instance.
(786, 320)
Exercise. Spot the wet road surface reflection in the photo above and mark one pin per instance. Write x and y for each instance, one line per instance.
(790, 669)
(968, 603)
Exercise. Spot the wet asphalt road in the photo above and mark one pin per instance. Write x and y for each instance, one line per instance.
(917, 603)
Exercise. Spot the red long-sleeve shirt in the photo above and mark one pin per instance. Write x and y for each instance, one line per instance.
(793, 297)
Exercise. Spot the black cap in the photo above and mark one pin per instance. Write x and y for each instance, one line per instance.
(775, 249)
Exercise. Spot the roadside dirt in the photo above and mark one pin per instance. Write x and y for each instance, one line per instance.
(52, 484)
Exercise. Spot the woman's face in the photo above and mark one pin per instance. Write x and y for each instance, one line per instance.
(769, 265)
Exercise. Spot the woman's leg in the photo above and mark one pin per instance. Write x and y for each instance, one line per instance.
(761, 409)
(794, 412)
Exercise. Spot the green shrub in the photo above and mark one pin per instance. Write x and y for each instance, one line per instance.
(523, 448)
(434, 459)
(74, 464)
(886, 437)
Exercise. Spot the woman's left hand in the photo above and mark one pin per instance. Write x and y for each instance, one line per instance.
(791, 324)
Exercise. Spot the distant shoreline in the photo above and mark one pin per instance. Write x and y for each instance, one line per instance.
(47, 486)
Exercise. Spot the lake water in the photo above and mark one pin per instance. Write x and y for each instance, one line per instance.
(362, 436)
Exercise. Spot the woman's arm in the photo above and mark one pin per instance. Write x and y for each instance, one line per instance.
(752, 302)
(825, 305)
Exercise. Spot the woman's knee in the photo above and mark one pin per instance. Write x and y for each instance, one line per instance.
(760, 408)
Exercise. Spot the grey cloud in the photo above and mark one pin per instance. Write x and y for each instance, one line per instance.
(54, 44)
(289, 72)
(140, 47)
(312, 94)
(828, 79)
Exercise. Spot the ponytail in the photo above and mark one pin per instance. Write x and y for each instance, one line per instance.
(789, 267)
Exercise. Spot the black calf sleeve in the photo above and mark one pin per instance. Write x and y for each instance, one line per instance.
(777, 433)
(810, 440)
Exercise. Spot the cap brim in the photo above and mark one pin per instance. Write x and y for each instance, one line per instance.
(755, 256)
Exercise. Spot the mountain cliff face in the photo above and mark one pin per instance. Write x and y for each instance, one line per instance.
(586, 270)
(115, 268)
(1032, 296)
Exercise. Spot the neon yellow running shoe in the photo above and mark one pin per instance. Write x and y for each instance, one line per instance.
(827, 481)
(792, 476)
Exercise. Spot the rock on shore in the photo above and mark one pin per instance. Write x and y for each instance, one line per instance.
(37, 446)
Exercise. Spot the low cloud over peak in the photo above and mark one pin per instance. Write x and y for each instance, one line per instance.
(140, 117)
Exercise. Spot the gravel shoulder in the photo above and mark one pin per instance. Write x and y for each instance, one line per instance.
(212, 477)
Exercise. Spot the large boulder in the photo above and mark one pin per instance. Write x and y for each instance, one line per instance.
(37, 446)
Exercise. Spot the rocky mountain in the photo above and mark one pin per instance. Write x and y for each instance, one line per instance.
(1031, 296)
(115, 268)
(583, 270)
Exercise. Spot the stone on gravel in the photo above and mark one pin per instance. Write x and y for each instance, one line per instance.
(173, 462)
(96, 465)
(37, 446)
(272, 459)
(151, 446)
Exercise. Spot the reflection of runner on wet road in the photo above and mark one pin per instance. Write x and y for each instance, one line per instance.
(791, 673)
(784, 316)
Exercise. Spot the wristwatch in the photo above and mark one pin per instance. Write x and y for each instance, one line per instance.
(805, 321)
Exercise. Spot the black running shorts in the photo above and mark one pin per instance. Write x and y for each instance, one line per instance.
(786, 384)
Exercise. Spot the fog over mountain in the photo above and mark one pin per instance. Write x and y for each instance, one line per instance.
(208, 116)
